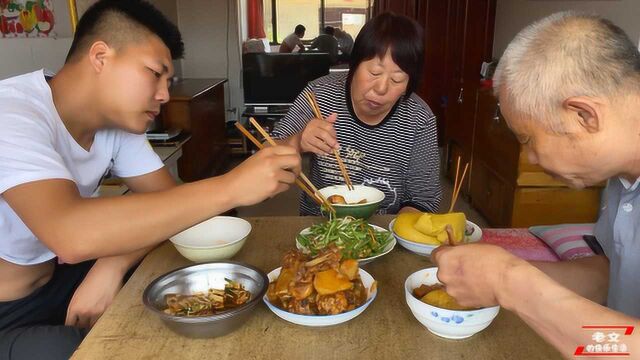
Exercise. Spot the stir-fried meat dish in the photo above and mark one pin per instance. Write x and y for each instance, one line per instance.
(322, 285)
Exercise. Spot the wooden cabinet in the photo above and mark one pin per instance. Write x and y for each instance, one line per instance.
(458, 37)
(491, 194)
(507, 189)
(472, 42)
(197, 107)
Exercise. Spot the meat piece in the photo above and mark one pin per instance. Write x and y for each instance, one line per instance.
(332, 304)
(329, 258)
(423, 290)
(300, 291)
(303, 307)
(293, 259)
(337, 199)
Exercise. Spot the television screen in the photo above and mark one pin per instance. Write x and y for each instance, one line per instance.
(277, 79)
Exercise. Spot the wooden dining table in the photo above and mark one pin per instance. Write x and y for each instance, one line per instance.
(385, 330)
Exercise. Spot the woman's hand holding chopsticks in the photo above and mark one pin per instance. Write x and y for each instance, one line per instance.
(319, 136)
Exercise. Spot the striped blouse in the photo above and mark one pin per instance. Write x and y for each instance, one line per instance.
(398, 156)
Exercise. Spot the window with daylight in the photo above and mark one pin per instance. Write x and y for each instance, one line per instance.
(282, 16)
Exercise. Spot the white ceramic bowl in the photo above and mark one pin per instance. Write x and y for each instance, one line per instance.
(322, 320)
(387, 249)
(450, 324)
(218, 238)
(426, 249)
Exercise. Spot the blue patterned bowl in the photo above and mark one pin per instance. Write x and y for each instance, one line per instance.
(450, 324)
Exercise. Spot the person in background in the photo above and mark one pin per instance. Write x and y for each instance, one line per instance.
(385, 133)
(293, 40)
(569, 89)
(345, 43)
(327, 43)
(63, 251)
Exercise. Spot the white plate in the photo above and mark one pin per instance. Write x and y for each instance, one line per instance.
(387, 249)
(426, 249)
(322, 320)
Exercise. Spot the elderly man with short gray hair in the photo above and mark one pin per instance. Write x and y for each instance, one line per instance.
(569, 88)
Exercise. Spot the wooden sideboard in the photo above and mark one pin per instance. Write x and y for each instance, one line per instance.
(507, 189)
(197, 107)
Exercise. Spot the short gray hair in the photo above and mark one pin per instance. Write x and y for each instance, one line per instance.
(565, 54)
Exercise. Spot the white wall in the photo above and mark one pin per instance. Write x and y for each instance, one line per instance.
(211, 31)
(21, 55)
(513, 15)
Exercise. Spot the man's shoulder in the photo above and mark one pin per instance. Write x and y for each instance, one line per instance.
(23, 94)
(23, 103)
(28, 82)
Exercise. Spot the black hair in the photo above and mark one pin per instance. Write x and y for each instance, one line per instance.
(329, 30)
(138, 12)
(399, 34)
(300, 29)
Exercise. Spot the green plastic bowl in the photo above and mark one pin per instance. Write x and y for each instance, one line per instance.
(360, 211)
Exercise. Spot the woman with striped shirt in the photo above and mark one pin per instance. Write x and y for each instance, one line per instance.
(385, 133)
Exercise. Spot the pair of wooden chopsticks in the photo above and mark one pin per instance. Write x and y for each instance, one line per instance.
(308, 188)
(457, 185)
(311, 98)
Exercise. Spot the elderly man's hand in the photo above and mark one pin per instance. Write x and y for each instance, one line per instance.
(474, 274)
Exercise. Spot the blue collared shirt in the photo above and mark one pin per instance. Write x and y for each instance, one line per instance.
(618, 232)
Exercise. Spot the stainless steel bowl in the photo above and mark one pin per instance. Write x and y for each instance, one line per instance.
(200, 278)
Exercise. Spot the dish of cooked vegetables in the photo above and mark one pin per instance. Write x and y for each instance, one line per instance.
(210, 303)
(355, 238)
(325, 284)
(436, 295)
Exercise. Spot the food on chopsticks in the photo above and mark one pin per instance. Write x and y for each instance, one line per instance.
(353, 237)
(209, 303)
(430, 228)
(436, 295)
(340, 200)
(325, 284)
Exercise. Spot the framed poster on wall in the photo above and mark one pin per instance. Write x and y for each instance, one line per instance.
(27, 18)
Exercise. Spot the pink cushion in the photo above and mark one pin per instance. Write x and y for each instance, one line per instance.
(566, 240)
(520, 242)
